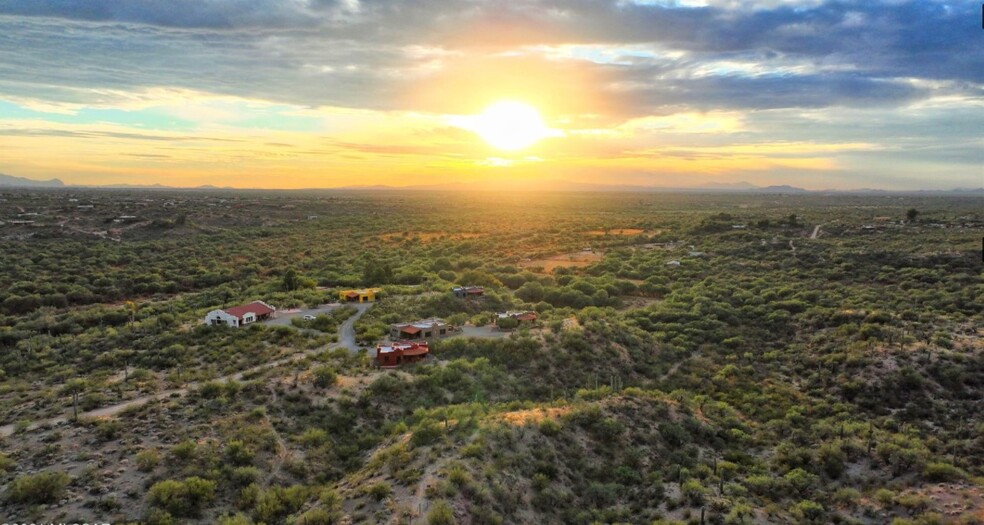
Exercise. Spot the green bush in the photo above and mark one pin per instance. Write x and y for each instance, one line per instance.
(182, 499)
(325, 377)
(46, 487)
(810, 511)
(318, 516)
(379, 491)
(5, 462)
(942, 471)
(238, 453)
(426, 433)
(184, 451)
(550, 427)
(147, 459)
(273, 505)
(440, 514)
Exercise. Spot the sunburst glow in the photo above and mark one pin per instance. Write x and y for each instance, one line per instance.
(509, 125)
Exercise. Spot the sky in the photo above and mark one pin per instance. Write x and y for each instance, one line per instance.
(330, 93)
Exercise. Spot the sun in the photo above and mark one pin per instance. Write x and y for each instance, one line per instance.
(509, 125)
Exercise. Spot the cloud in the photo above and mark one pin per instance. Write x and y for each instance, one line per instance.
(372, 53)
(902, 74)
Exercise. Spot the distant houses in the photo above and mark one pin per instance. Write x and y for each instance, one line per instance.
(423, 329)
(467, 291)
(392, 355)
(241, 315)
(365, 295)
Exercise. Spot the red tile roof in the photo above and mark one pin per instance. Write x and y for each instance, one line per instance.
(257, 307)
(416, 350)
(528, 316)
(410, 329)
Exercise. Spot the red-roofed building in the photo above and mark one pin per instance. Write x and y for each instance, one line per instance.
(241, 315)
(525, 318)
(528, 317)
(395, 354)
(468, 291)
(423, 329)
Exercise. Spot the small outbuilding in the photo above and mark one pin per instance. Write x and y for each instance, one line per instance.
(241, 315)
(526, 317)
(365, 295)
(468, 291)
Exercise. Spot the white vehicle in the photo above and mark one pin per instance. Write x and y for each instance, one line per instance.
(309, 317)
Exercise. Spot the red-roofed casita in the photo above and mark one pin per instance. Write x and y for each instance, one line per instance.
(241, 315)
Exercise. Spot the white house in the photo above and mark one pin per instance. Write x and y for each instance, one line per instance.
(241, 315)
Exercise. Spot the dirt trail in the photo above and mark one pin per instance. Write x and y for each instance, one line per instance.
(816, 232)
(346, 339)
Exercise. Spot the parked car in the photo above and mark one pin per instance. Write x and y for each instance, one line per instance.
(309, 317)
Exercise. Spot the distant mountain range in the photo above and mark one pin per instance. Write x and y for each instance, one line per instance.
(712, 187)
(540, 185)
(10, 180)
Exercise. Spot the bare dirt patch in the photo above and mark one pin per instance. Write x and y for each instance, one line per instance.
(567, 260)
(427, 236)
(621, 231)
(535, 415)
(954, 500)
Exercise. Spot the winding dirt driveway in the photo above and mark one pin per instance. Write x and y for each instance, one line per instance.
(346, 339)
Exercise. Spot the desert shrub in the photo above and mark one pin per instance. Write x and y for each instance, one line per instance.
(550, 427)
(313, 437)
(147, 459)
(846, 496)
(46, 487)
(942, 471)
(156, 516)
(184, 451)
(693, 491)
(809, 511)
(379, 491)
(275, 504)
(426, 434)
(507, 323)
(324, 377)
(800, 480)
(5, 462)
(238, 453)
(183, 499)
(244, 476)
(319, 516)
(440, 514)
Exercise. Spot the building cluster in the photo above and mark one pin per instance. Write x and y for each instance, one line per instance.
(410, 340)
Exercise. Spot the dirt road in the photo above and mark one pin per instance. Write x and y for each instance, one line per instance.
(346, 339)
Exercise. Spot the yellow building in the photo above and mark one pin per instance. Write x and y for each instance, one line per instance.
(361, 296)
